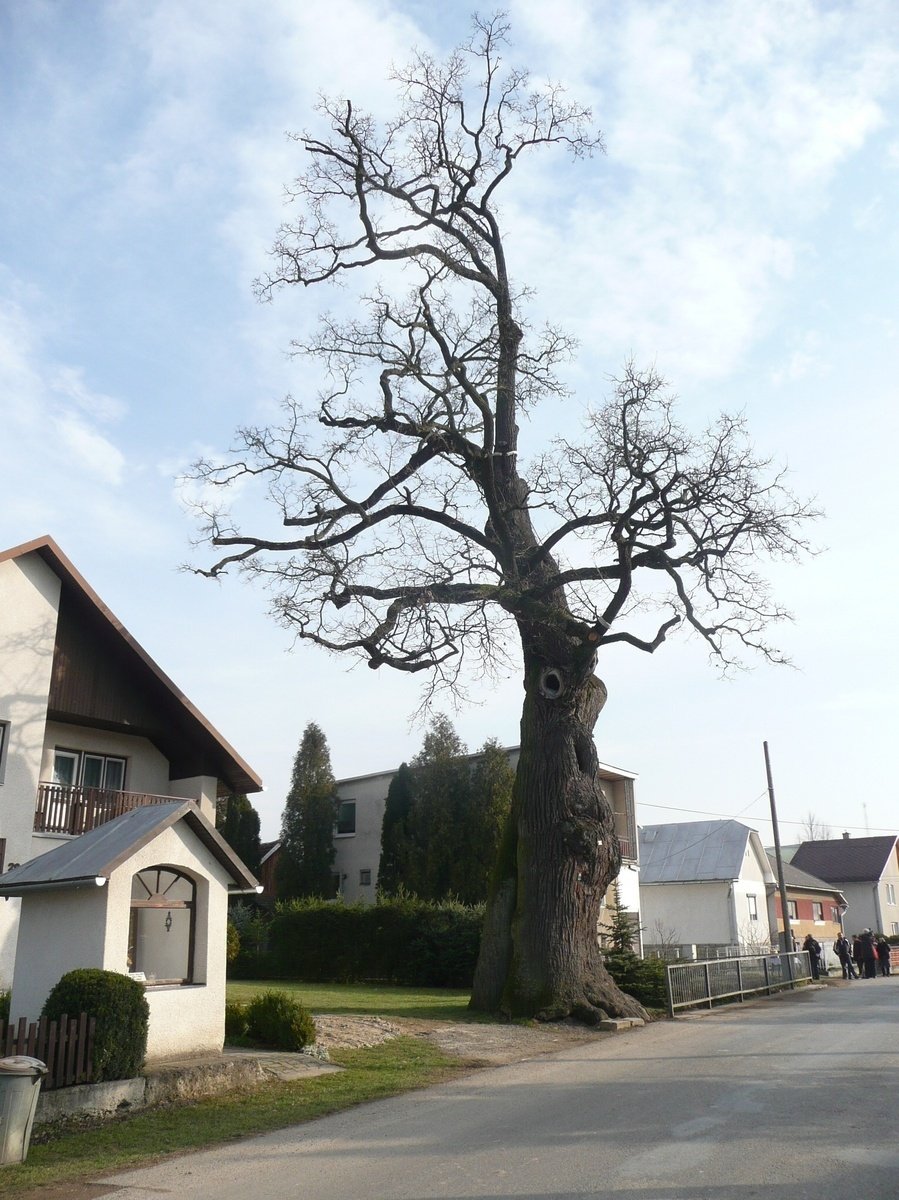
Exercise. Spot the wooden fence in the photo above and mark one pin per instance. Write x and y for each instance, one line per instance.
(66, 1047)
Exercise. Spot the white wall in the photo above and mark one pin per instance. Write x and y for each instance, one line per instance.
(147, 770)
(362, 850)
(201, 788)
(692, 912)
(59, 931)
(29, 605)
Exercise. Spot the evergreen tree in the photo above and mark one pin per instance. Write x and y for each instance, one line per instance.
(619, 930)
(396, 846)
(238, 822)
(442, 783)
(307, 826)
(481, 828)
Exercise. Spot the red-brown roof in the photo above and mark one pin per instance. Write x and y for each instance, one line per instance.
(182, 733)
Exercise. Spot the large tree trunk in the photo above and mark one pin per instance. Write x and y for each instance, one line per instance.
(540, 954)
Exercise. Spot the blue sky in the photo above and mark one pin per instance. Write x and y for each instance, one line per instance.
(740, 233)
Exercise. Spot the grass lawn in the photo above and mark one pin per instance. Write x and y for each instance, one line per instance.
(86, 1154)
(361, 999)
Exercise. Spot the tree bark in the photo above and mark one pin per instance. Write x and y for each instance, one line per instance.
(540, 953)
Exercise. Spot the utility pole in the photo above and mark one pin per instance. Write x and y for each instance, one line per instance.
(786, 938)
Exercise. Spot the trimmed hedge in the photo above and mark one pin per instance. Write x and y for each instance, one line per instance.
(401, 940)
(122, 1013)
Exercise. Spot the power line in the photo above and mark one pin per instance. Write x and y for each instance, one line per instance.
(728, 817)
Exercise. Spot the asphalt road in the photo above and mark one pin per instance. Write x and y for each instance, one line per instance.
(786, 1098)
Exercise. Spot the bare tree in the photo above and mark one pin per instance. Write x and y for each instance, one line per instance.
(813, 830)
(417, 540)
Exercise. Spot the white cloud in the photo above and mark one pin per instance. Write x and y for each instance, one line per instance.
(52, 421)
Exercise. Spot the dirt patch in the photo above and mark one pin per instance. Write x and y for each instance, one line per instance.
(487, 1043)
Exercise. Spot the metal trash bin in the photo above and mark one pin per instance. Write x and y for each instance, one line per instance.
(20, 1085)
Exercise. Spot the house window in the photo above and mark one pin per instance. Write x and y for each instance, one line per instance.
(365, 877)
(894, 927)
(162, 929)
(753, 908)
(817, 911)
(792, 910)
(835, 914)
(2, 855)
(4, 742)
(346, 818)
(72, 768)
(335, 885)
(891, 893)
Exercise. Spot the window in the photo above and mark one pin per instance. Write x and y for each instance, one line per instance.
(891, 893)
(895, 926)
(72, 768)
(753, 908)
(2, 855)
(346, 818)
(817, 911)
(835, 914)
(335, 885)
(365, 877)
(792, 910)
(4, 742)
(161, 932)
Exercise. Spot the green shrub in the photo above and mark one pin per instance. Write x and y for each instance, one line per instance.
(642, 978)
(236, 1024)
(4, 1007)
(122, 1015)
(277, 1020)
(233, 945)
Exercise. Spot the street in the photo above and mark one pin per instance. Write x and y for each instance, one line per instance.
(785, 1098)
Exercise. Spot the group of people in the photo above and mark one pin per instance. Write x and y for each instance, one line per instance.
(865, 955)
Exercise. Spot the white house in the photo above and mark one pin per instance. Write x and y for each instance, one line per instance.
(706, 887)
(92, 729)
(361, 814)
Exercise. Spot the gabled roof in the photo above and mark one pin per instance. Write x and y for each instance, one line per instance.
(847, 860)
(794, 878)
(190, 743)
(694, 851)
(91, 858)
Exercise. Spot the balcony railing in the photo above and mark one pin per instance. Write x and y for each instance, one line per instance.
(76, 810)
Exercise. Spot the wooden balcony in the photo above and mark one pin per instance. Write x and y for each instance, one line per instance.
(77, 810)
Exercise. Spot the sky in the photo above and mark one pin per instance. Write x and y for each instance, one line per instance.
(739, 233)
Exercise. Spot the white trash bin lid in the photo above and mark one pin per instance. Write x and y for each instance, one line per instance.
(21, 1064)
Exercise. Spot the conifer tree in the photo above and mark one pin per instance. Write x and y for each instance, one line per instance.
(307, 826)
(238, 822)
(442, 783)
(397, 848)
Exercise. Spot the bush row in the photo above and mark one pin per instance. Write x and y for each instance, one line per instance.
(403, 940)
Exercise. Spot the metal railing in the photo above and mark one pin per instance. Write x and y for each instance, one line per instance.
(694, 983)
(76, 810)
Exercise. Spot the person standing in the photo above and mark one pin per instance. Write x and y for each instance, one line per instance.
(869, 954)
(857, 954)
(843, 950)
(883, 955)
(813, 950)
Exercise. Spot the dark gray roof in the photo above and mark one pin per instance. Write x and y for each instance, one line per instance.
(847, 860)
(96, 855)
(795, 878)
(692, 851)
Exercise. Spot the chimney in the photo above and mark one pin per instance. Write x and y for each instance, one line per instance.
(845, 836)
